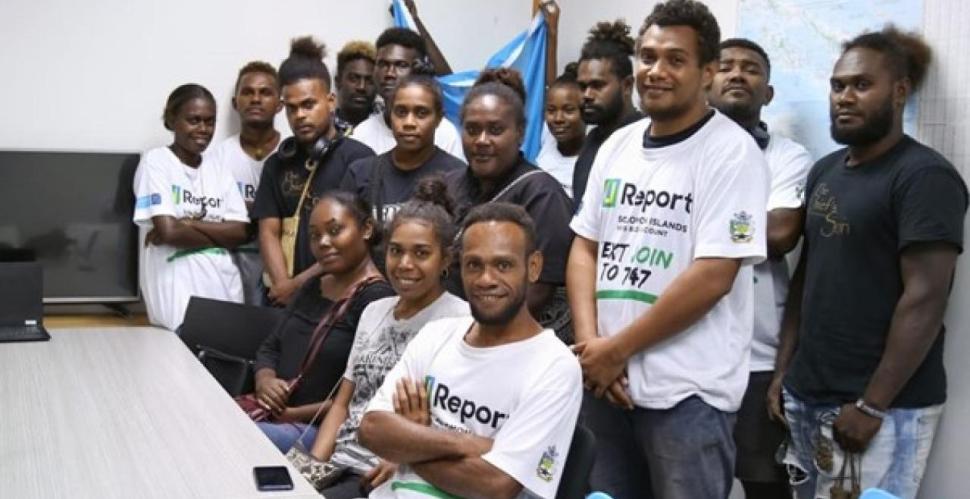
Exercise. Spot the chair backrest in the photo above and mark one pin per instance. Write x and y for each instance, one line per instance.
(579, 462)
(225, 336)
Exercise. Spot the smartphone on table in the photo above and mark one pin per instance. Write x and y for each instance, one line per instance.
(269, 478)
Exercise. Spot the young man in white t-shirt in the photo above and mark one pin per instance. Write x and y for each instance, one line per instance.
(740, 89)
(257, 101)
(659, 275)
(481, 406)
(397, 51)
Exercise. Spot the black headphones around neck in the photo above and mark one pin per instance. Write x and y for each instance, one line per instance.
(289, 148)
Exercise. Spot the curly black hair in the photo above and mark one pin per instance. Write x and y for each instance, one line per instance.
(744, 43)
(697, 16)
(907, 54)
(611, 41)
(403, 37)
(305, 61)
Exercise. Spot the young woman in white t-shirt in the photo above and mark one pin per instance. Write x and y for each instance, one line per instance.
(564, 119)
(191, 211)
(418, 254)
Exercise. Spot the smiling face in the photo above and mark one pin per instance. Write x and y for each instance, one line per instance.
(490, 136)
(865, 100)
(337, 240)
(257, 99)
(563, 113)
(193, 124)
(308, 104)
(496, 271)
(740, 87)
(415, 261)
(670, 79)
(413, 118)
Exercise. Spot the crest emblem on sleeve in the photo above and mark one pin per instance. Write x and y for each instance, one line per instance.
(547, 464)
(741, 228)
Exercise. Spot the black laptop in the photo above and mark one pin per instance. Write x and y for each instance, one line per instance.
(22, 302)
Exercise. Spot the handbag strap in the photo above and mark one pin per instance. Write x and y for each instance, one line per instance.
(498, 196)
(337, 311)
(312, 166)
(513, 184)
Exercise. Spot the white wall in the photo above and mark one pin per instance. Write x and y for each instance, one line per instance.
(94, 75)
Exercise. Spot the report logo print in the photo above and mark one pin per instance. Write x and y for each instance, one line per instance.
(547, 464)
(611, 191)
(176, 194)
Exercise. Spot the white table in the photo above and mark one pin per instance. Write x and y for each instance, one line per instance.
(126, 413)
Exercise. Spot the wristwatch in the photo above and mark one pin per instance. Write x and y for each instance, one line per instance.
(869, 410)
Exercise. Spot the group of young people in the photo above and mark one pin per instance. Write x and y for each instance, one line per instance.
(452, 350)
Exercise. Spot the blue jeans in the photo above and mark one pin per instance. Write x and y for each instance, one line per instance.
(284, 435)
(685, 452)
(894, 461)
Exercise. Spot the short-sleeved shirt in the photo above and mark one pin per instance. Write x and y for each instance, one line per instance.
(396, 185)
(542, 198)
(584, 163)
(380, 342)
(284, 349)
(282, 182)
(375, 133)
(559, 166)
(788, 164)
(858, 221)
(524, 395)
(169, 276)
(654, 206)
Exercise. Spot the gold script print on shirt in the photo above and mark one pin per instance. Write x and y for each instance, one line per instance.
(292, 184)
(824, 204)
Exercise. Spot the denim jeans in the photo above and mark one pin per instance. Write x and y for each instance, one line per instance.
(685, 452)
(284, 435)
(894, 461)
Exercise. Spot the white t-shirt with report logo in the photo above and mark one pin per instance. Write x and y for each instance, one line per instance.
(169, 276)
(653, 211)
(243, 168)
(788, 163)
(523, 395)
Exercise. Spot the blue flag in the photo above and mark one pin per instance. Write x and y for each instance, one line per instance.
(525, 53)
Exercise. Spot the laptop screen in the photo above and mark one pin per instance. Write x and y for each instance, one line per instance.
(21, 293)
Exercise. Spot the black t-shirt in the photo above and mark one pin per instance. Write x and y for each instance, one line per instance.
(284, 349)
(858, 221)
(591, 145)
(282, 183)
(396, 185)
(542, 197)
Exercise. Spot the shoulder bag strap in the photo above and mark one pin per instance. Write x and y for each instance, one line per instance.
(312, 166)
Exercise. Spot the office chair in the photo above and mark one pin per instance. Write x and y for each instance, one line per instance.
(225, 337)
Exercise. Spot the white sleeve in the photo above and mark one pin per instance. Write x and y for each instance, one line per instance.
(588, 220)
(235, 205)
(448, 138)
(532, 445)
(788, 177)
(730, 205)
(411, 365)
(153, 191)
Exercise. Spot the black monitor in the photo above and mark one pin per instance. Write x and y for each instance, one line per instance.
(71, 212)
